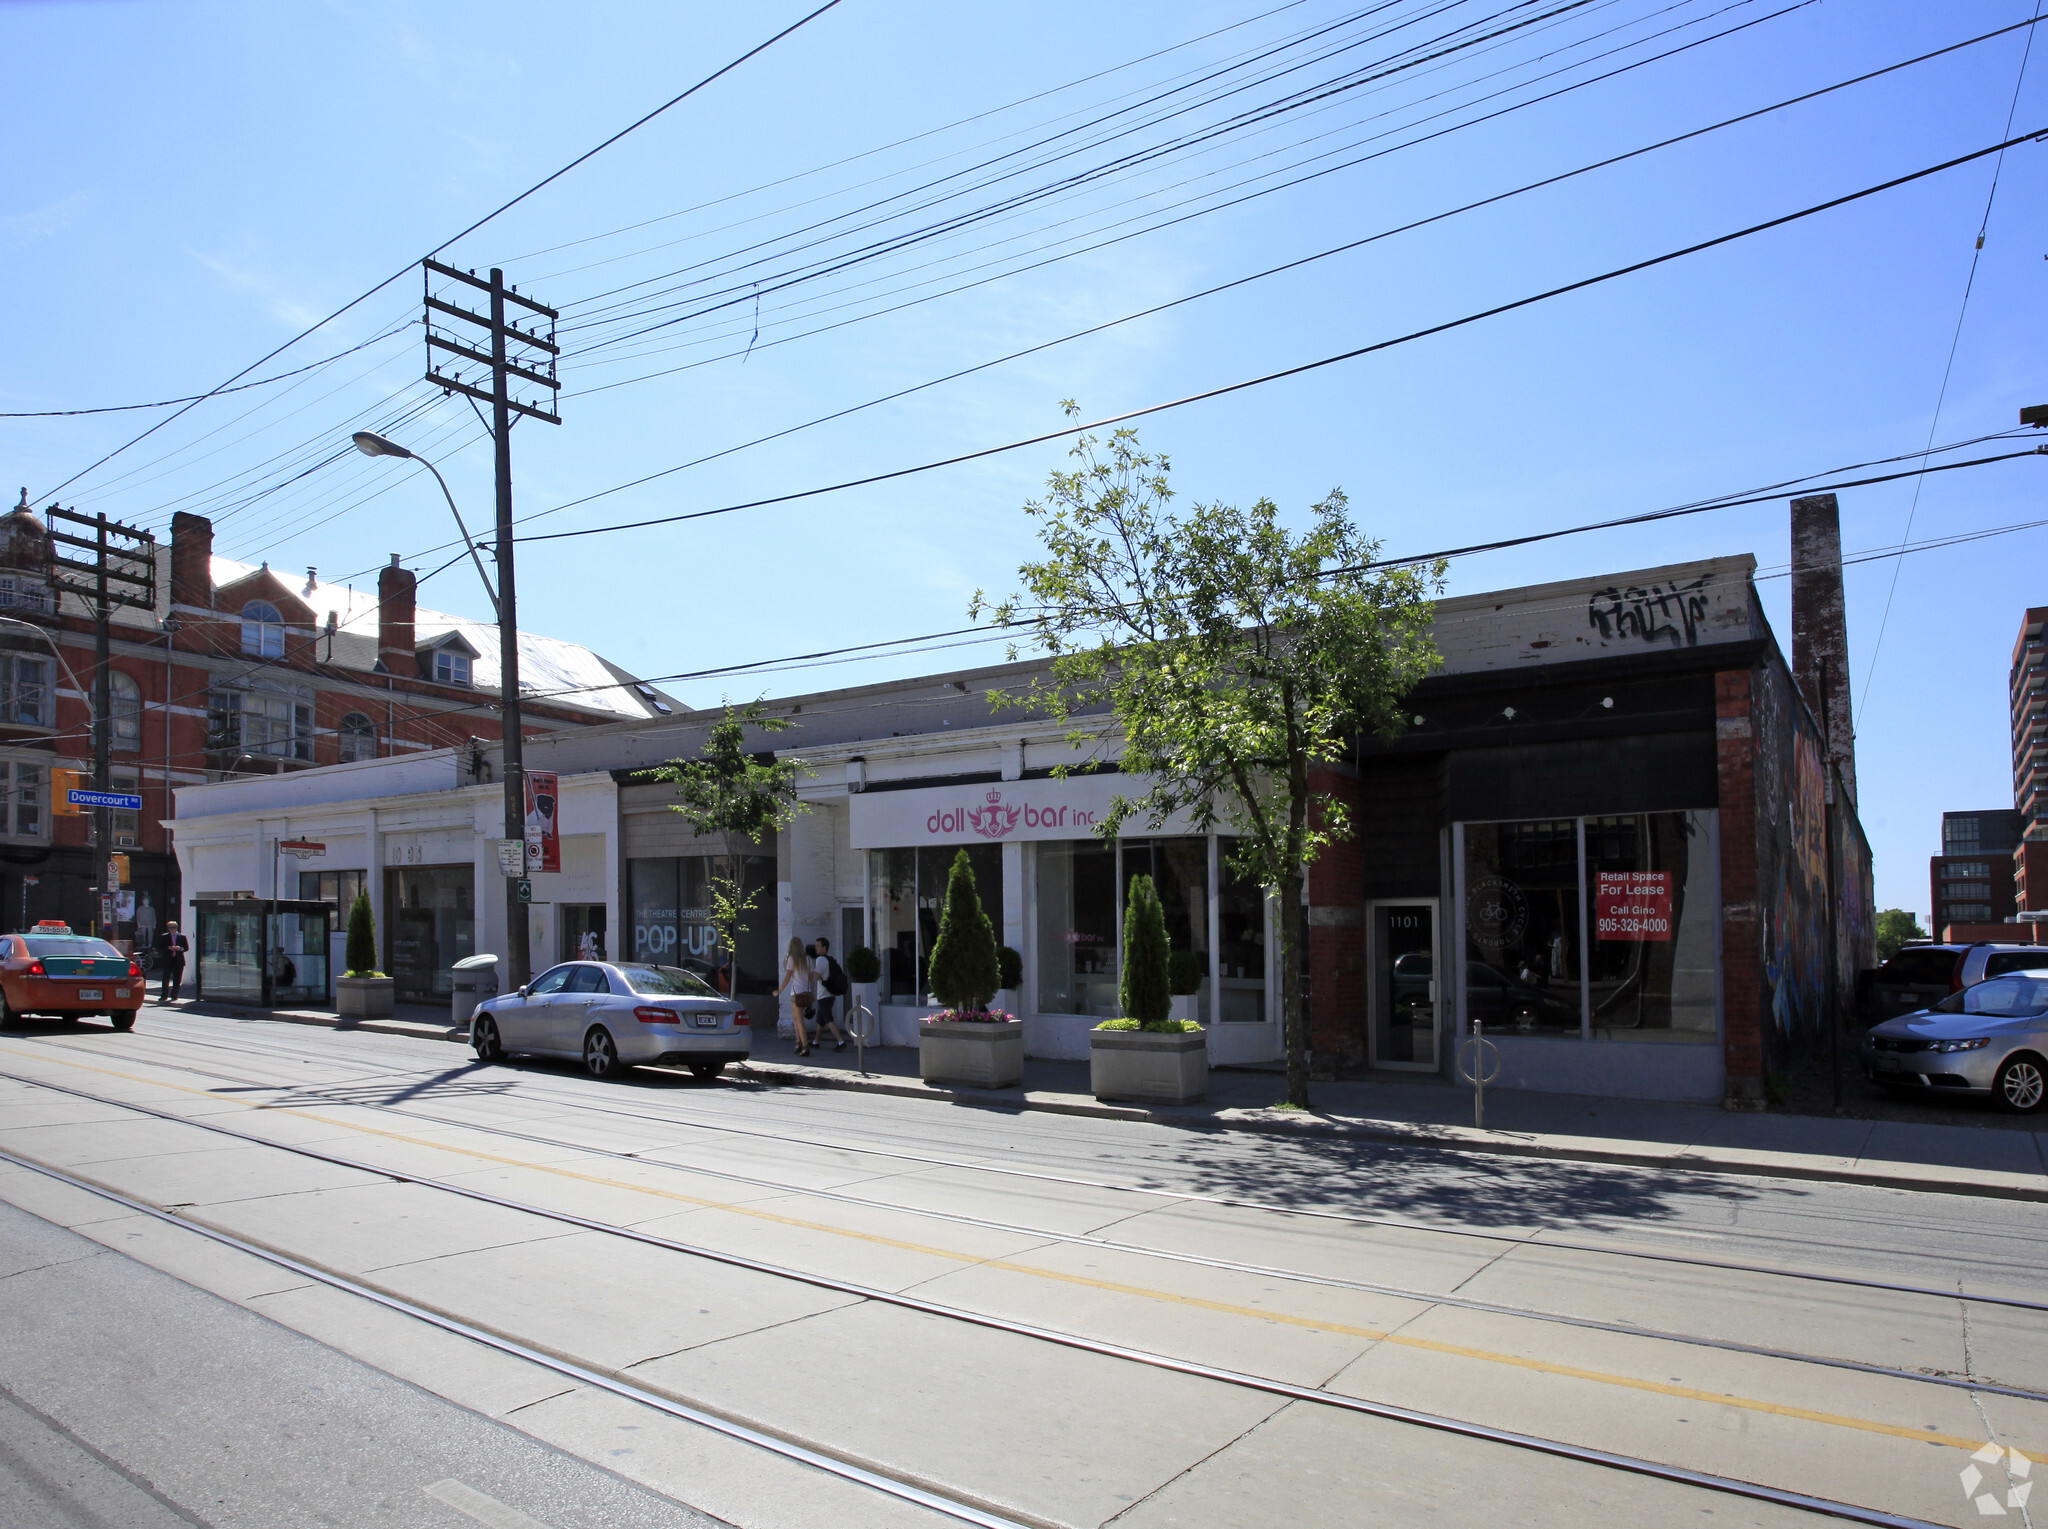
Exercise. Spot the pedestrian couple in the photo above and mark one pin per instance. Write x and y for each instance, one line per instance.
(814, 981)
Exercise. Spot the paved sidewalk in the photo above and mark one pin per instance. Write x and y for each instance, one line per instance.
(1926, 1155)
(1959, 1158)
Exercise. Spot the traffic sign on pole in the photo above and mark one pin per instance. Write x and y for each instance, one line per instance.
(123, 801)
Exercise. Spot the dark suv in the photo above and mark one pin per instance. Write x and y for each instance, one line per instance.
(1920, 976)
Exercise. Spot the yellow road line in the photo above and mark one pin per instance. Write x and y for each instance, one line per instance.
(1313, 1324)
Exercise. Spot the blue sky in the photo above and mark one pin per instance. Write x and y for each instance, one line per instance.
(189, 184)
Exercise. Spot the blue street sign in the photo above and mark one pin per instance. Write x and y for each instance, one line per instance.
(105, 799)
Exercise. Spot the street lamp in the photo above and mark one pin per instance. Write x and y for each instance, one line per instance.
(377, 446)
(513, 742)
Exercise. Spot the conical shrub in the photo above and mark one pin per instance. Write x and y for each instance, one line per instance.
(1143, 988)
(966, 969)
(362, 937)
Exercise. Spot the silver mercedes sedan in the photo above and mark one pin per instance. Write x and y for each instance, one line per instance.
(614, 1016)
(1990, 1040)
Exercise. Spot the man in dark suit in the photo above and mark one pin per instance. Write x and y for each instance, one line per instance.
(171, 947)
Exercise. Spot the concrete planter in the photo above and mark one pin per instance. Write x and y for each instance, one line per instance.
(364, 997)
(1150, 1069)
(980, 1054)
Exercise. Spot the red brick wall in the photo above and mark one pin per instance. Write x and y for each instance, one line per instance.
(1742, 985)
(1336, 935)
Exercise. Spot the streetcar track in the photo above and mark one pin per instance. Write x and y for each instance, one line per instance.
(1534, 1240)
(1082, 1239)
(697, 1413)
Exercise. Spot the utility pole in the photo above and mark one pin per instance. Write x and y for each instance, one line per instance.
(124, 556)
(501, 368)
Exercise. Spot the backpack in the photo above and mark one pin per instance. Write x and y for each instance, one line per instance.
(835, 979)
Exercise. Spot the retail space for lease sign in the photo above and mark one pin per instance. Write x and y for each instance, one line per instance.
(996, 812)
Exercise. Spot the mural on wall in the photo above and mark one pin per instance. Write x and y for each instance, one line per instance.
(1791, 865)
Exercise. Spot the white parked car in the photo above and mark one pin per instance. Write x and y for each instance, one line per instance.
(616, 1015)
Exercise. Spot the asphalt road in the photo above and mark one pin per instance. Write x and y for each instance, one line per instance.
(1470, 1308)
(132, 1400)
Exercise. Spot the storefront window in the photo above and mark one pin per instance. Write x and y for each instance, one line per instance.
(1522, 935)
(907, 891)
(1179, 869)
(429, 925)
(1649, 902)
(671, 918)
(1077, 928)
(1241, 945)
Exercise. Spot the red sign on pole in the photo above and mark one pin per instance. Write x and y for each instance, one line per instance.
(543, 838)
(1632, 905)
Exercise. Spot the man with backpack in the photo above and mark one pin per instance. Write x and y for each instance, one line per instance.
(830, 988)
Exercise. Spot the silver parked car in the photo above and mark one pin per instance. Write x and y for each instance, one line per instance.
(614, 1016)
(1990, 1039)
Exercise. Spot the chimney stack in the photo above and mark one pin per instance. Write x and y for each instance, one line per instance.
(1820, 628)
(396, 604)
(192, 561)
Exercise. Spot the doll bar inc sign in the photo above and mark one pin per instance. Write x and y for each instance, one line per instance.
(1632, 905)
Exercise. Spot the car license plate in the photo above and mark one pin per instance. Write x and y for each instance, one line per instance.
(120, 992)
(91, 995)
(707, 1021)
(1890, 1064)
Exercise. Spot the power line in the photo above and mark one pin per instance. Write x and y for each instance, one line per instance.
(1288, 265)
(1292, 371)
(242, 387)
(407, 268)
(1955, 342)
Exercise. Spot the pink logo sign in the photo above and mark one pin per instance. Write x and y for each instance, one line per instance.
(994, 820)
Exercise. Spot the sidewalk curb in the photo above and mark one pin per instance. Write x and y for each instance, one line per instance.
(1198, 1118)
(411, 1029)
(1392, 1134)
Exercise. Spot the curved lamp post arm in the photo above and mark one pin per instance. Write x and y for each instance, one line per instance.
(371, 445)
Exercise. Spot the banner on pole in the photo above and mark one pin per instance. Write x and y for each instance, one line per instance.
(543, 839)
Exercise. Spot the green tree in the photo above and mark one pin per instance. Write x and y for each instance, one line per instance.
(1233, 657)
(747, 797)
(361, 951)
(1142, 983)
(1895, 926)
(966, 969)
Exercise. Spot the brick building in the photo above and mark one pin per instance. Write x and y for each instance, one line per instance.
(1972, 880)
(238, 671)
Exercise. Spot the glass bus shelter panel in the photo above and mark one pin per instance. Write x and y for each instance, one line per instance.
(298, 957)
(231, 953)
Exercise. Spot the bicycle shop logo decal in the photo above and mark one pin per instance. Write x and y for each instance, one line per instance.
(1496, 914)
(2017, 1468)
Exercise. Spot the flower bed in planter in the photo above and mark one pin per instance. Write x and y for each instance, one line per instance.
(980, 1048)
(1148, 1066)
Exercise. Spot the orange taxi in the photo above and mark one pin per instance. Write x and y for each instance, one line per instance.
(50, 970)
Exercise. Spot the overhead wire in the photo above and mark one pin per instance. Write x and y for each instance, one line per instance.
(408, 267)
(1297, 370)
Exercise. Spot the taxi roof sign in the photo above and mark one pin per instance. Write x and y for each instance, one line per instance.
(52, 926)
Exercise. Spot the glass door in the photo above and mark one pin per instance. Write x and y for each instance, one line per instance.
(1403, 1001)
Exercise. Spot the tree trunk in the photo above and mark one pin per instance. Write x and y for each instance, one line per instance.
(1293, 1014)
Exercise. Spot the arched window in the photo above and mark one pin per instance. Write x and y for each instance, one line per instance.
(358, 737)
(125, 712)
(262, 630)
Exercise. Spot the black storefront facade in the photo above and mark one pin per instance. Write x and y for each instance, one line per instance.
(1604, 837)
